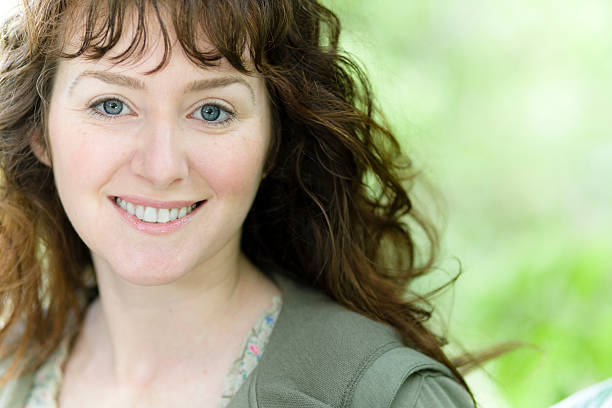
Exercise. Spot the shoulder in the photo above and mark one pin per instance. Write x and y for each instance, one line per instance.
(405, 378)
(313, 327)
(596, 396)
(321, 351)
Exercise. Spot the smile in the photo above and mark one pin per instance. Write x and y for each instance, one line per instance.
(155, 215)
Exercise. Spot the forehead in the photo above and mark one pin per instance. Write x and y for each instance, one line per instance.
(149, 65)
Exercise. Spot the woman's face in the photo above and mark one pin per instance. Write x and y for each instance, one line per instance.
(157, 172)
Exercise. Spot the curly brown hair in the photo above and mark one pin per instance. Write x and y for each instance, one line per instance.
(333, 211)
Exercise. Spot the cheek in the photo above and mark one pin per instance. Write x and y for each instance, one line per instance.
(74, 156)
(81, 158)
(233, 169)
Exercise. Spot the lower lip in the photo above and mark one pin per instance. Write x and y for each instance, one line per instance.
(155, 228)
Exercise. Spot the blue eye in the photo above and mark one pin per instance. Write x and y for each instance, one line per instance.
(214, 114)
(109, 108)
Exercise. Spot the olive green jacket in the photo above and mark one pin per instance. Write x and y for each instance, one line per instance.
(322, 355)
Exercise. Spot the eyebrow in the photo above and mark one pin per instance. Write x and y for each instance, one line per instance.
(133, 83)
(109, 78)
(211, 83)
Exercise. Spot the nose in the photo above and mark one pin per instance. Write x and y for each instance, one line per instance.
(159, 158)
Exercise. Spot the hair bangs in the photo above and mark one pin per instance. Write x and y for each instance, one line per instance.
(207, 31)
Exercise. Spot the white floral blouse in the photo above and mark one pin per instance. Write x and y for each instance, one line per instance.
(49, 376)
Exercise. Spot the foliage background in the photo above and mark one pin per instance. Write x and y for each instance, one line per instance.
(505, 106)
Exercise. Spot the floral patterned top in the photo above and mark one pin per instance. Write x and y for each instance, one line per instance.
(49, 376)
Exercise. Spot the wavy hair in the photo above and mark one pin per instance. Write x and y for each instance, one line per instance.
(333, 211)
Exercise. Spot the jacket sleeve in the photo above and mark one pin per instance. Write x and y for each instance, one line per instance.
(405, 378)
(431, 389)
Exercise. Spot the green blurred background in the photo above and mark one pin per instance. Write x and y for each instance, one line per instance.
(505, 106)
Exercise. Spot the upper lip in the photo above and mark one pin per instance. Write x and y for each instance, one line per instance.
(150, 202)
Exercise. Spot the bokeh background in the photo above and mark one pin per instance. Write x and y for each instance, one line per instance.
(505, 106)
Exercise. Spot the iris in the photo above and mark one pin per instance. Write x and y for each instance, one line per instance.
(113, 106)
(210, 112)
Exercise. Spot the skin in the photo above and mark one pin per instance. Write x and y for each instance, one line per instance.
(174, 307)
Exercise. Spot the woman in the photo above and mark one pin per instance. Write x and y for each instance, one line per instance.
(202, 167)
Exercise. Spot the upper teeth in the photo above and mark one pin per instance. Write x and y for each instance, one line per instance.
(152, 214)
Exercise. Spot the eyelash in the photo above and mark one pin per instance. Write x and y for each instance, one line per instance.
(93, 109)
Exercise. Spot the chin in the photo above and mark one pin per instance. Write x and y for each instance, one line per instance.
(150, 272)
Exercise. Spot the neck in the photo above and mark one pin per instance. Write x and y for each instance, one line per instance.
(141, 331)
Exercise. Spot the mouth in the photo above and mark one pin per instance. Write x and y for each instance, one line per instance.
(156, 215)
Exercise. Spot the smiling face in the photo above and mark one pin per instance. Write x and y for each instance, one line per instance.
(157, 172)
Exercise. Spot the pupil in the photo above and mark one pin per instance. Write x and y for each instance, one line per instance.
(211, 112)
(113, 107)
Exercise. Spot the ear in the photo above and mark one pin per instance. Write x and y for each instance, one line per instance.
(39, 148)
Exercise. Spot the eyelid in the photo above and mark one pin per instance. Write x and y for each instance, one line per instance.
(217, 102)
